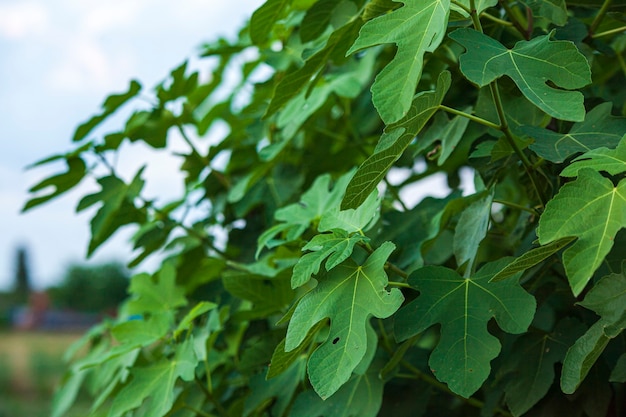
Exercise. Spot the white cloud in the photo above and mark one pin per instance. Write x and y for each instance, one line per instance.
(23, 19)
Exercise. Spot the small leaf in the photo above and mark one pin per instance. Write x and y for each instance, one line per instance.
(447, 132)
(608, 299)
(599, 129)
(316, 20)
(198, 310)
(593, 210)
(352, 220)
(416, 28)
(463, 307)
(360, 291)
(337, 246)
(532, 258)
(530, 64)
(154, 295)
(393, 142)
(111, 104)
(612, 161)
(76, 170)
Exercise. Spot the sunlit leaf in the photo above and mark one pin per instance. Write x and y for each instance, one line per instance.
(360, 289)
(264, 18)
(336, 246)
(591, 209)
(463, 307)
(416, 28)
(530, 64)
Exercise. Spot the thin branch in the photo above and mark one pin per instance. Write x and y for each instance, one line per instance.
(599, 17)
(609, 32)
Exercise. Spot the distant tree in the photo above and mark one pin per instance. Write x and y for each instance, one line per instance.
(91, 288)
(22, 276)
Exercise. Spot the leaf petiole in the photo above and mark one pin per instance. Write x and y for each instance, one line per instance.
(470, 116)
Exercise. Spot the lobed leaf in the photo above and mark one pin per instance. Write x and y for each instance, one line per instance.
(416, 28)
(591, 209)
(360, 292)
(599, 129)
(531, 65)
(463, 307)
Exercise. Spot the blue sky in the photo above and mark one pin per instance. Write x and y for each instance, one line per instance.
(58, 60)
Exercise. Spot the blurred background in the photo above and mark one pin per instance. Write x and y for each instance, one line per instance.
(59, 59)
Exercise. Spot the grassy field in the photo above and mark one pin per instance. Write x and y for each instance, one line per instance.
(31, 365)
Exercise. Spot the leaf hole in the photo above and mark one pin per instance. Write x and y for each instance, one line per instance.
(335, 340)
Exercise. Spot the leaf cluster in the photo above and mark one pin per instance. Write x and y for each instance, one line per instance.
(300, 273)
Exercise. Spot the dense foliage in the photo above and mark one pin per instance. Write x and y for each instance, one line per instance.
(308, 281)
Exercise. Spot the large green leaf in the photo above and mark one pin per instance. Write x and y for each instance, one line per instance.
(608, 299)
(463, 307)
(532, 364)
(155, 383)
(416, 28)
(531, 65)
(599, 129)
(592, 209)
(393, 142)
(612, 161)
(349, 294)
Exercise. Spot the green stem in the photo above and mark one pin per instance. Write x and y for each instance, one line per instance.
(188, 141)
(515, 206)
(470, 116)
(399, 284)
(475, 18)
(393, 190)
(496, 20)
(218, 406)
(514, 19)
(504, 127)
(609, 32)
(599, 17)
